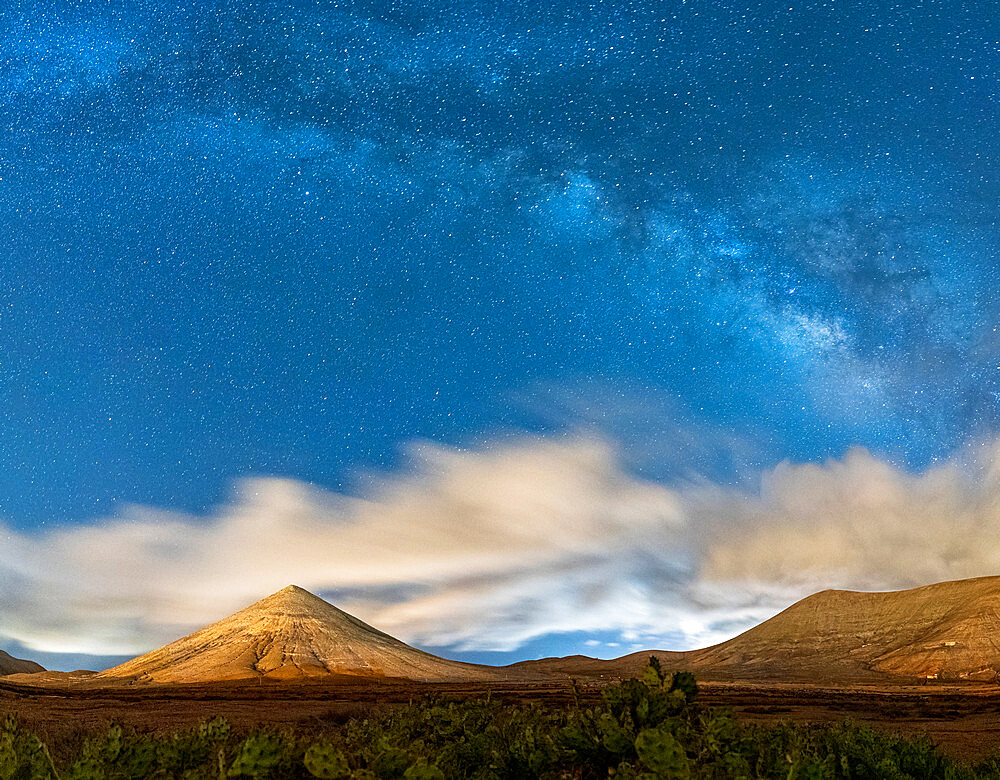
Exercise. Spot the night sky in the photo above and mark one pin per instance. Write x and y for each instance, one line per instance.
(253, 240)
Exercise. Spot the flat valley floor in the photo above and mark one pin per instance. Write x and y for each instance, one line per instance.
(964, 720)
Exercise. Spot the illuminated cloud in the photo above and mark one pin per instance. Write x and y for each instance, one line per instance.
(491, 549)
(464, 529)
(859, 522)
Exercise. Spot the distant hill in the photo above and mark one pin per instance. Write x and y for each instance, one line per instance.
(289, 635)
(948, 631)
(11, 665)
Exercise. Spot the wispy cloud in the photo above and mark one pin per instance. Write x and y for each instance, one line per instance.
(474, 529)
(490, 549)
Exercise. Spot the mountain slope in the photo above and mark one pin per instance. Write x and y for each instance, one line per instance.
(11, 665)
(950, 630)
(291, 634)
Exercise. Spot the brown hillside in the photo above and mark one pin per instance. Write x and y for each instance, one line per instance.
(948, 631)
(291, 634)
(11, 665)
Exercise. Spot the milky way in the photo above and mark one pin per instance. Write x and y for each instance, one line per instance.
(290, 239)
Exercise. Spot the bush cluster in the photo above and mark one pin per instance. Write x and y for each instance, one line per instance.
(650, 727)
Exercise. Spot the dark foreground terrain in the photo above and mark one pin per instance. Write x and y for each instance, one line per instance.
(167, 708)
(963, 720)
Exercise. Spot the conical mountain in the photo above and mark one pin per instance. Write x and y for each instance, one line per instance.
(11, 665)
(291, 634)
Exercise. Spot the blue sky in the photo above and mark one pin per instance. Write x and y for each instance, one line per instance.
(291, 240)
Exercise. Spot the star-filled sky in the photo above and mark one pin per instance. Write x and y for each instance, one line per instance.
(515, 329)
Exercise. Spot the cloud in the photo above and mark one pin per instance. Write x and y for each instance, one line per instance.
(859, 522)
(490, 549)
(479, 530)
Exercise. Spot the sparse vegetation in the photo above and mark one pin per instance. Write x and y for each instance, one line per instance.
(650, 727)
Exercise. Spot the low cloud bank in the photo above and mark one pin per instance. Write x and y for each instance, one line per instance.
(487, 550)
(860, 523)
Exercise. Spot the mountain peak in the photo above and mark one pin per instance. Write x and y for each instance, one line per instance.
(290, 634)
(292, 594)
(293, 589)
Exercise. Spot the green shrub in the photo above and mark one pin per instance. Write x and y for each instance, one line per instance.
(22, 754)
(661, 753)
(258, 755)
(119, 753)
(323, 760)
